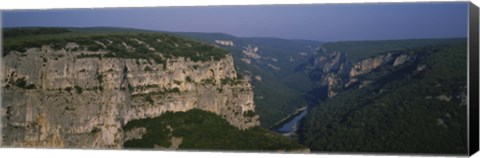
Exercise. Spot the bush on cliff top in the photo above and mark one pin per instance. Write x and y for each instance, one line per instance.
(155, 46)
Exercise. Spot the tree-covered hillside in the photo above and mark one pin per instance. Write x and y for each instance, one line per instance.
(197, 129)
(418, 107)
(357, 50)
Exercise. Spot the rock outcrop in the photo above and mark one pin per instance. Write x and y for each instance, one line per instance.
(59, 98)
(251, 52)
(327, 69)
(333, 71)
(224, 42)
(366, 65)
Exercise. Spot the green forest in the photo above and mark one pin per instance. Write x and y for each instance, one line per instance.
(404, 111)
(205, 130)
(358, 50)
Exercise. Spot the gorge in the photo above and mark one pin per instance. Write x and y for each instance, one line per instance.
(64, 88)
(68, 90)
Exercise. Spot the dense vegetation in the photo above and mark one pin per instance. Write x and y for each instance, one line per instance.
(404, 110)
(274, 101)
(14, 32)
(156, 46)
(204, 130)
(357, 50)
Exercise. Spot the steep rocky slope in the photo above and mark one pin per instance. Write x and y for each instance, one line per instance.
(333, 72)
(339, 66)
(79, 91)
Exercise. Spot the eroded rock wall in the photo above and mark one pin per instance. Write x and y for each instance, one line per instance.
(333, 70)
(63, 98)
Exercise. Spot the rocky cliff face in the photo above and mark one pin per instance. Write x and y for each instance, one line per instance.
(75, 98)
(333, 71)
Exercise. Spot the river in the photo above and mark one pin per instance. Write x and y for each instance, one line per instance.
(290, 125)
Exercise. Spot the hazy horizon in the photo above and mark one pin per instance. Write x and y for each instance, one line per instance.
(231, 34)
(319, 22)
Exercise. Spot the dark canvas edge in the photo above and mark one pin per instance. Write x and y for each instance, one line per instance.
(473, 50)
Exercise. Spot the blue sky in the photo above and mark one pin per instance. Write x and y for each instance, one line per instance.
(323, 22)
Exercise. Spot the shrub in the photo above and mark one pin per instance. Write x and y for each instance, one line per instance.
(95, 130)
(22, 83)
(188, 79)
(226, 80)
(239, 75)
(78, 89)
(175, 90)
(99, 77)
(208, 81)
(149, 99)
(68, 89)
(249, 113)
(30, 86)
(130, 87)
(177, 82)
(147, 69)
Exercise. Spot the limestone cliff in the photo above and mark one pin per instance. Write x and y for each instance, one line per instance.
(75, 97)
(332, 70)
